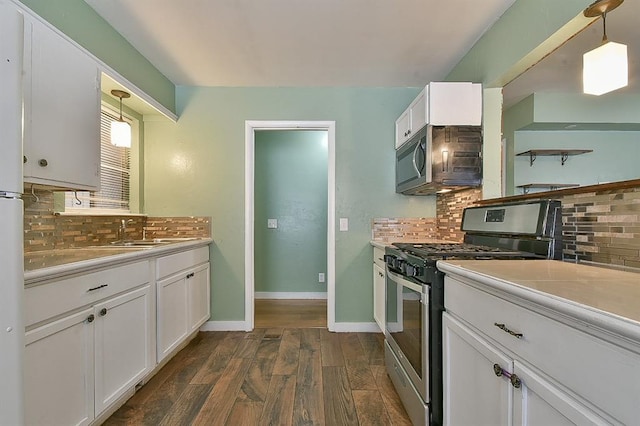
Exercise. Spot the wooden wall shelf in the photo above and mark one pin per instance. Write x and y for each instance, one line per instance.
(562, 153)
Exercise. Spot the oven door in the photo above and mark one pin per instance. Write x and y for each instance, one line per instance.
(406, 328)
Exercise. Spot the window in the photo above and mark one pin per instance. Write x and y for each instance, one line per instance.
(115, 175)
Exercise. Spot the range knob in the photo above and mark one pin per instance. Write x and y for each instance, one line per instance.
(410, 270)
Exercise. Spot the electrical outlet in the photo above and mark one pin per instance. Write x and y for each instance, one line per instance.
(272, 223)
(321, 277)
(344, 224)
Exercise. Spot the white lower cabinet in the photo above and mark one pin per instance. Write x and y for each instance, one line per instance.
(59, 371)
(472, 393)
(504, 364)
(78, 362)
(123, 346)
(379, 287)
(183, 297)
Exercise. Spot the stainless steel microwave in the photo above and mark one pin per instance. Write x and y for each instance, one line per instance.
(439, 158)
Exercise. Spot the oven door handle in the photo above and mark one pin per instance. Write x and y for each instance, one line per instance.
(404, 282)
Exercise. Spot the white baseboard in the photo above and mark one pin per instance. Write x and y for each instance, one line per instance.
(224, 326)
(356, 327)
(290, 295)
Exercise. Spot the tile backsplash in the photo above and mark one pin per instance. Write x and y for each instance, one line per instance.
(45, 230)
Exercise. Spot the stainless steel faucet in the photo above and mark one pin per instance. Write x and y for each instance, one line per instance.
(123, 229)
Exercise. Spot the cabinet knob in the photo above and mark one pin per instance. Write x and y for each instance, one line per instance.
(497, 370)
(43, 163)
(191, 275)
(515, 381)
(103, 312)
(90, 318)
(24, 158)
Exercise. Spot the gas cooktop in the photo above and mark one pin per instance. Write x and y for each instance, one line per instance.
(430, 250)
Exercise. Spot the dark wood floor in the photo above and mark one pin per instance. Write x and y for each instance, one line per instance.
(271, 376)
(290, 313)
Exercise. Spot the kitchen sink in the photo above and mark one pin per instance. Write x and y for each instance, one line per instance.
(149, 243)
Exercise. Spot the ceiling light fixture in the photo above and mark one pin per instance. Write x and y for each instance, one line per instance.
(120, 129)
(605, 68)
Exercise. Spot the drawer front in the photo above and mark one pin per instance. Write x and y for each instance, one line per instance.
(586, 365)
(378, 257)
(57, 297)
(173, 263)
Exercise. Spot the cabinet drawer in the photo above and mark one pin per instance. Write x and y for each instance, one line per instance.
(378, 257)
(582, 363)
(173, 263)
(57, 297)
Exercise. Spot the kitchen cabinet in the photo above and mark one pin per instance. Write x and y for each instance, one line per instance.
(123, 350)
(58, 378)
(441, 104)
(379, 285)
(89, 340)
(61, 111)
(183, 297)
(505, 363)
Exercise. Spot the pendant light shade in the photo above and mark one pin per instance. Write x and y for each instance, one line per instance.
(120, 129)
(605, 68)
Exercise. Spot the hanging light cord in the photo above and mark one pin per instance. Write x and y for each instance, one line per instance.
(604, 27)
(121, 97)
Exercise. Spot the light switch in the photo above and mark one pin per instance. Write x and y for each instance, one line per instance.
(321, 277)
(344, 224)
(272, 223)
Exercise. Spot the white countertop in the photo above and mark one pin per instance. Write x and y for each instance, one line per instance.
(607, 298)
(49, 264)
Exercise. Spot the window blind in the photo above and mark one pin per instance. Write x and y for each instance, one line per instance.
(114, 170)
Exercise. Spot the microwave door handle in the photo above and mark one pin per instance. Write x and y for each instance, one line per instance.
(415, 163)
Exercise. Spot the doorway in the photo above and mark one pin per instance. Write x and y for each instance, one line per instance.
(270, 231)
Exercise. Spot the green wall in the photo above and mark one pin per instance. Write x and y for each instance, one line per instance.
(290, 186)
(614, 158)
(81, 23)
(196, 167)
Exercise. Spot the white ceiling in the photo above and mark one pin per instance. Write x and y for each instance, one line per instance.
(561, 71)
(296, 43)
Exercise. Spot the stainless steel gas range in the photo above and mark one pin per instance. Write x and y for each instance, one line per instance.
(415, 291)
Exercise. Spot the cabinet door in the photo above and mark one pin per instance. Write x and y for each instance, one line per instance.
(418, 110)
(403, 128)
(379, 284)
(123, 344)
(542, 403)
(473, 394)
(59, 371)
(172, 313)
(61, 111)
(455, 104)
(199, 291)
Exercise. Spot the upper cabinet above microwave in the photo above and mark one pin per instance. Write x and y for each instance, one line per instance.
(441, 104)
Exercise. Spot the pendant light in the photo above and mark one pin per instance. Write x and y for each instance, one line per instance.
(120, 129)
(605, 68)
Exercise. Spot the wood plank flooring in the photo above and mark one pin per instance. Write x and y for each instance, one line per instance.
(271, 376)
(288, 313)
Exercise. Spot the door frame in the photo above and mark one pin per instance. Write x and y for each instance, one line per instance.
(249, 210)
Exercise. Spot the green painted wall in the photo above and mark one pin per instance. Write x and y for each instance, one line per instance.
(290, 186)
(614, 158)
(523, 35)
(196, 167)
(81, 23)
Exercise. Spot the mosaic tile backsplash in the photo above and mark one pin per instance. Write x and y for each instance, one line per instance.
(44, 230)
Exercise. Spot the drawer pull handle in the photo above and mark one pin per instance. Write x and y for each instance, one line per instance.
(513, 378)
(98, 288)
(90, 318)
(511, 332)
(191, 275)
(103, 312)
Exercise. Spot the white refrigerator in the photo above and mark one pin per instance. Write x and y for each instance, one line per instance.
(11, 217)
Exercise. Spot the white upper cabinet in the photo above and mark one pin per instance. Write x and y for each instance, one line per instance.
(61, 111)
(441, 104)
